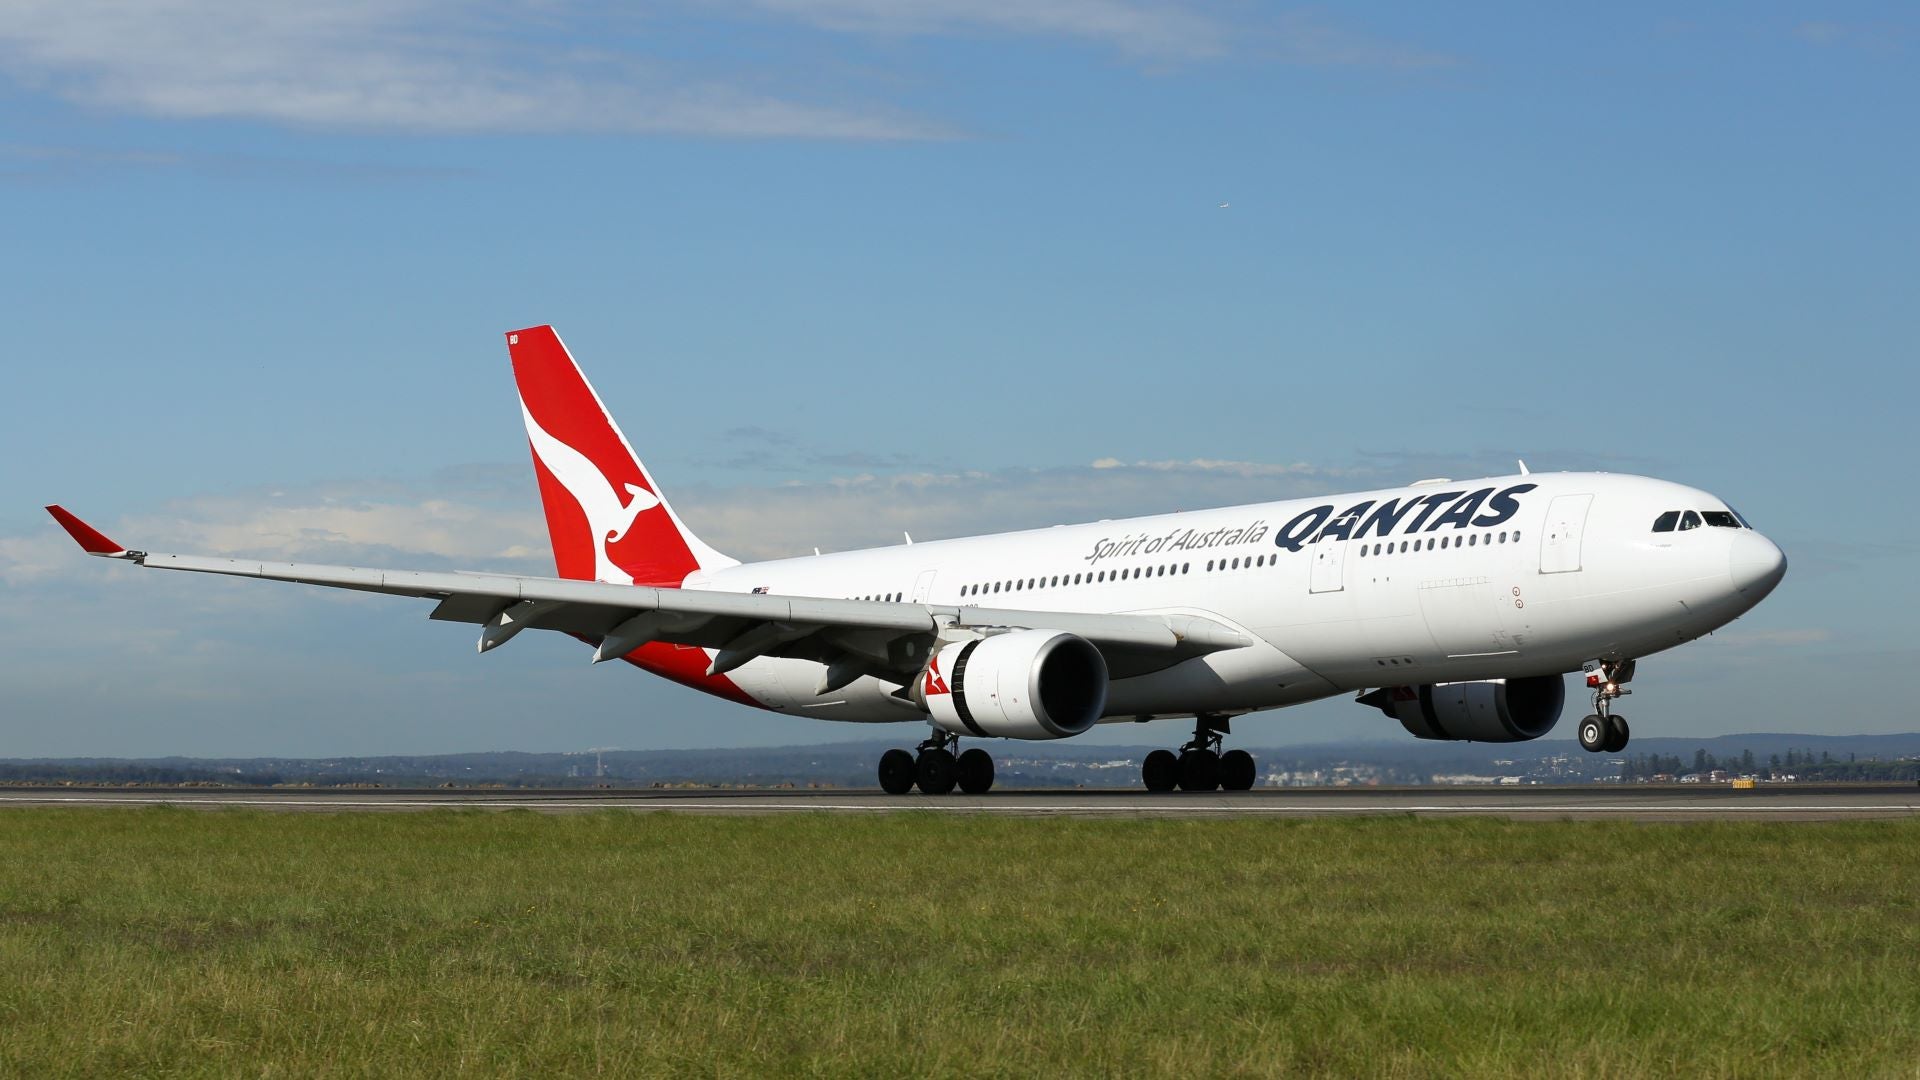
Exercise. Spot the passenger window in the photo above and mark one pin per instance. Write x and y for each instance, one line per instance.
(1720, 519)
(1473, 539)
(1443, 542)
(1689, 520)
(1665, 522)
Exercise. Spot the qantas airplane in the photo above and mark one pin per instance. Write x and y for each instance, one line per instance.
(1455, 607)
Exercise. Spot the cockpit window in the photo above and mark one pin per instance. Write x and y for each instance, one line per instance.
(1721, 519)
(1743, 518)
(1665, 522)
(1689, 520)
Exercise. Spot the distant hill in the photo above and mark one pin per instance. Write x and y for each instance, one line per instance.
(851, 764)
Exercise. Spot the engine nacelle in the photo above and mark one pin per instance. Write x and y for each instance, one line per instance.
(1491, 710)
(1028, 684)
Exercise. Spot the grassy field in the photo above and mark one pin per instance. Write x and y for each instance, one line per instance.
(176, 942)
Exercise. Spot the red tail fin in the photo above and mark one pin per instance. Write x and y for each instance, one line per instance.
(606, 518)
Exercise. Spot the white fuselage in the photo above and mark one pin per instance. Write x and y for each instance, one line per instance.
(1422, 584)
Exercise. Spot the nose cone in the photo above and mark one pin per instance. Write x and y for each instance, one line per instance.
(1755, 564)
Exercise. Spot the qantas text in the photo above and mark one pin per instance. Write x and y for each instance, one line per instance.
(1405, 516)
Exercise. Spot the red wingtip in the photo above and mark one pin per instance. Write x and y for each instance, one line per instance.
(93, 540)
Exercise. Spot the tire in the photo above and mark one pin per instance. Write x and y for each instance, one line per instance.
(1199, 770)
(897, 772)
(975, 772)
(1161, 771)
(935, 772)
(1593, 733)
(1617, 733)
(1237, 771)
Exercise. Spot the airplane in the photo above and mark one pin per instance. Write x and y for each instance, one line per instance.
(1454, 607)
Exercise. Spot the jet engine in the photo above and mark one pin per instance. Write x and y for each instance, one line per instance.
(1026, 684)
(1491, 710)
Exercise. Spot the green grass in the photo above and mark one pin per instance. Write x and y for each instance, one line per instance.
(174, 942)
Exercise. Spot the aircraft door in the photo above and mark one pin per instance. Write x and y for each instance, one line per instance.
(923, 587)
(1329, 566)
(1560, 540)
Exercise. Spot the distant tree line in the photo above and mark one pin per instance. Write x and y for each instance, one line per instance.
(1799, 764)
(130, 773)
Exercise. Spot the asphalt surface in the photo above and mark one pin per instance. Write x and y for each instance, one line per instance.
(1631, 802)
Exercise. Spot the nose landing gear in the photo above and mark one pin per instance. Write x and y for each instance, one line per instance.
(1200, 765)
(936, 769)
(1604, 731)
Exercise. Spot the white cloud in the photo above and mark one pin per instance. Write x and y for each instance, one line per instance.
(40, 556)
(323, 526)
(493, 522)
(398, 65)
(1863, 36)
(1245, 469)
(866, 510)
(553, 66)
(1145, 29)
(1306, 38)
(398, 525)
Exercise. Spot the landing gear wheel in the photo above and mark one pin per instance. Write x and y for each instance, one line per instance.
(975, 771)
(1236, 771)
(1617, 733)
(1594, 733)
(1199, 770)
(1161, 771)
(935, 772)
(897, 772)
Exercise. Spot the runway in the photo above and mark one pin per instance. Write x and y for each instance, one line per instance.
(1632, 802)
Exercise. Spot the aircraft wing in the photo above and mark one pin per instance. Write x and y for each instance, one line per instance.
(889, 640)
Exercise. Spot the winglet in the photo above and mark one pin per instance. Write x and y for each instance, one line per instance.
(93, 540)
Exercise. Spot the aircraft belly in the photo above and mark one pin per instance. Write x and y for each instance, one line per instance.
(1259, 676)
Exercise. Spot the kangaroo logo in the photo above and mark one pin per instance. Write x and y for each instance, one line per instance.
(935, 684)
(609, 517)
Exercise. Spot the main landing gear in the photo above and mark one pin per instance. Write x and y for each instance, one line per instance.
(1200, 766)
(936, 769)
(1604, 731)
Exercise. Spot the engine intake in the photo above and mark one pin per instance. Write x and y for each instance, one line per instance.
(1028, 684)
(1490, 710)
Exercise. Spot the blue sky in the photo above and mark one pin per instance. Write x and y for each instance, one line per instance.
(845, 267)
